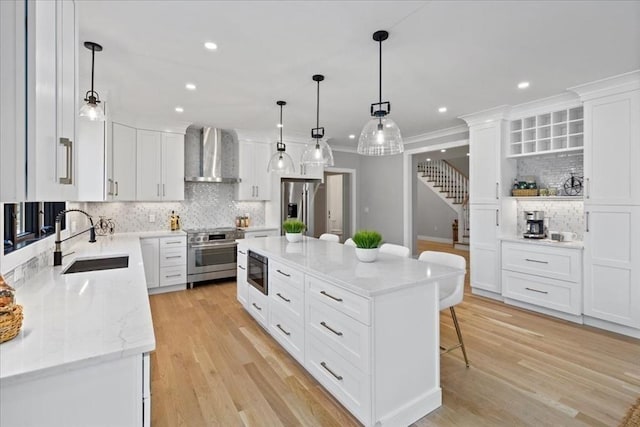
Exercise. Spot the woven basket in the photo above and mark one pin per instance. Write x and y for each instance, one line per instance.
(524, 192)
(10, 323)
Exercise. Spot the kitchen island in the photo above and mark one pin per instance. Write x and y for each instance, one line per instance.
(368, 332)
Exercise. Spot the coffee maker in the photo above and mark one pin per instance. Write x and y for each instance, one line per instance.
(535, 225)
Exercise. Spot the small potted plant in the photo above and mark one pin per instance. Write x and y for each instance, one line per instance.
(367, 242)
(293, 229)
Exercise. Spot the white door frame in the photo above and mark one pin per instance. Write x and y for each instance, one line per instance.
(354, 207)
(408, 178)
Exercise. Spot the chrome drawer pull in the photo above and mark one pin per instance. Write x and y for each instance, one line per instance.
(173, 243)
(285, 332)
(287, 300)
(536, 290)
(173, 275)
(284, 274)
(241, 267)
(256, 306)
(331, 296)
(535, 260)
(243, 253)
(173, 256)
(324, 365)
(331, 329)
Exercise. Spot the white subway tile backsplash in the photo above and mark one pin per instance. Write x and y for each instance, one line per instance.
(551, 171)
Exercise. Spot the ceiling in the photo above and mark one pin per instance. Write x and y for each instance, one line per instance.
(465, 55)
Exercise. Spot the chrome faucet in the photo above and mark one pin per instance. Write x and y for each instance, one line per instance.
(57, 253)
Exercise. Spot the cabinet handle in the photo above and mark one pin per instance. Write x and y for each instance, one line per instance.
(109, 187)
(173, 242)
(331, 296)
(324, 365)
(587, 221)
(117, 189)
(241, 267)
(537, 290)
(286, 299)
(257, 191)
(262, 235)
(163, 192)
(497, 190)
(497, 218)
(285, 332)
(173, 275)
(338, 333)
(243, 253)
(284, 274)
(158, 190)
(173, 256)
(68, 145)
(253, 191)
(256, 306)
(535, 260)
(588, 188)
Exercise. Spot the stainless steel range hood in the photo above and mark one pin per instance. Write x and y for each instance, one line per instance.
(206, 154)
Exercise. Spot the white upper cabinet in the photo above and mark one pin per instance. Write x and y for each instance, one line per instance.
(255, 181)
(51, 100)
(160, 166)
(121, 163)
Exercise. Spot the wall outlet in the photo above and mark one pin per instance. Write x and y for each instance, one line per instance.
(152, 218)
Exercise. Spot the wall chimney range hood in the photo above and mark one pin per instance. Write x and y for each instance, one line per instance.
(206, 154)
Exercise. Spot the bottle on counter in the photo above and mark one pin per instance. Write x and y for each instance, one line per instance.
(246, 220)
(173, 221)
(178, 225)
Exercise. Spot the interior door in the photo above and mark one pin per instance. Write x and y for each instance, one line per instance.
(334, 185)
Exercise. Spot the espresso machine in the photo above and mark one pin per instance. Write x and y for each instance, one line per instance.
(535, 225)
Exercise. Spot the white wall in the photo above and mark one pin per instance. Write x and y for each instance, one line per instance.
(433, 216)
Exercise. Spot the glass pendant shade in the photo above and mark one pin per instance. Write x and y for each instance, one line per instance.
(380, 137)
(92, 111)
(317, 153)
(281, 163)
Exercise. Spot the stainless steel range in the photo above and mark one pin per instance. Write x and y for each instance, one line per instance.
(211, 253)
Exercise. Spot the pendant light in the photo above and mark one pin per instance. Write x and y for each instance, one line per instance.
(281, 162)
(380, 136)
(92, 110)
(318, 152)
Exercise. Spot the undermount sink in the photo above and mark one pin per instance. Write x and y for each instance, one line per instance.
(94, 264)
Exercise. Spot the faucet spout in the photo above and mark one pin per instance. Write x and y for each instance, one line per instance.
(57, 253)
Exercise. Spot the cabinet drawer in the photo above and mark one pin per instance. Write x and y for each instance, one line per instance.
(287, 297)
(347, 336)
(259, 306)
(342, 300)
(288, 331)
(174, 275)
(263, 233)
(286, 275)
(555, 294)
(346, 383)
(555, 263)
(242, 256)
(173, 242)
(172, 256)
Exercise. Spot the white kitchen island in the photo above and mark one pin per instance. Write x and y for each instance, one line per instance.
(368, 332)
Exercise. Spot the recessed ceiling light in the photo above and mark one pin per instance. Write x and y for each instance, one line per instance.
(190, 86)
(467, 154)
(211, 45)
(523, 85)
(428, 160)
(352, 136)
(443, 151)
(179, 109)
(442, 109)
(279, 125)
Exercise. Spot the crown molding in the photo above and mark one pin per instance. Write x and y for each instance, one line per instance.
(544, 105)
(344, 149)
(487, 116)
(608, 86)
(423, 137)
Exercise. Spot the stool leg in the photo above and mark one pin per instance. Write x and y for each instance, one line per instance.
(455, 322)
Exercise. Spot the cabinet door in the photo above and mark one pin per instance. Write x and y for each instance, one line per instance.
(172, 166)
(612, 149)
(151, 260)
(484, 165)
(149, 165)
(485, 248)
(261, 177)
(612, 264)
(246, 189)
(241, 279)
(123, 166)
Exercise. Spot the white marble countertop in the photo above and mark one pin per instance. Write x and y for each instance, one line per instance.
(82, 319)
(576, 244)
(338, 264)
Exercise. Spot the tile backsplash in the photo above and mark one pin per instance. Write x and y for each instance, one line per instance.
(206, 205)
(565, 215)
(551, 171)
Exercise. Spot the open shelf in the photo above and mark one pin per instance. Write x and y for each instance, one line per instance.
(548, 198)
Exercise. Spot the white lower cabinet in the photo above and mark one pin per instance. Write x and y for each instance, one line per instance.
(165, 263)
(242, 288)
(261, 233)
(258, 304)
(544, 276)
(485, 248)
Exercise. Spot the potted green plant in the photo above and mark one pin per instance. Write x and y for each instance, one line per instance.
(367, 242)
(293, 230)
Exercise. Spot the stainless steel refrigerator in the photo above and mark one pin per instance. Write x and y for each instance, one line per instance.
(297, 197)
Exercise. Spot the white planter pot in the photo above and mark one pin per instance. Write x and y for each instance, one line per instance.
(367, 255)
(293, 237)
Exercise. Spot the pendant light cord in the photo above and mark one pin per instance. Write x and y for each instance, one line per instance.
(281, 125)
(93, 61)
(380, 80)
(318, 107)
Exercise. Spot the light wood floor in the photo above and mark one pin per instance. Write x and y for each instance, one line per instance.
(214, 366)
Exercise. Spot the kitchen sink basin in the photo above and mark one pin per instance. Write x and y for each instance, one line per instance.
(95, 264)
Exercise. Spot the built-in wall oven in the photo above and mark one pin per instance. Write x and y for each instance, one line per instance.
(211, 254)
(258, 271)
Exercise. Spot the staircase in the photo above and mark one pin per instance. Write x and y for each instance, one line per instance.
(452, 186)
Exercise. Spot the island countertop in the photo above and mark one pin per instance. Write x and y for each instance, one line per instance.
(79, 319)
(338, 263)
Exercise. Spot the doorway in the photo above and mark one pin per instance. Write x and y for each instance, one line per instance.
(334, 206)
